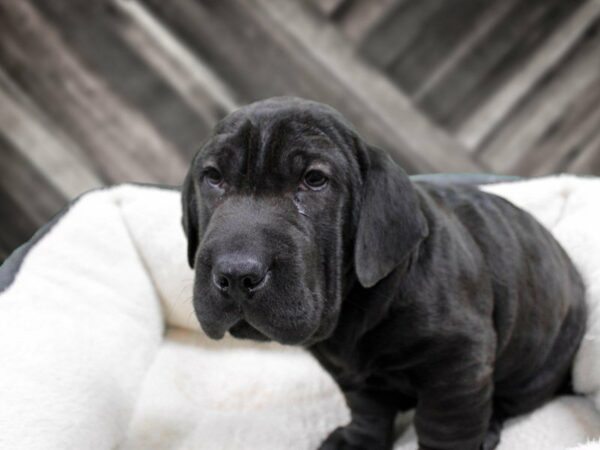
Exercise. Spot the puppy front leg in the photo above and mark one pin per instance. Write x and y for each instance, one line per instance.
(371, 427)
(455, 414)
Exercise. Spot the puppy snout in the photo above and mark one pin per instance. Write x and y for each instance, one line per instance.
(239, 275)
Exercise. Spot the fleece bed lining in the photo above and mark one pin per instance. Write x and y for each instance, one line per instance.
(100, 348)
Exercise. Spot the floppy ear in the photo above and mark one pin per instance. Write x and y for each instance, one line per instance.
(390, 224)
(189, 217)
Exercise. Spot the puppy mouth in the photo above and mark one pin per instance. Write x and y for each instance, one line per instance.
(243, 330)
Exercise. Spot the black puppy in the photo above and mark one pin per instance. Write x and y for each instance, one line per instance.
(441, 298)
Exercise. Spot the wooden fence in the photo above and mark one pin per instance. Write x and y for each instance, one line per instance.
(106, 91)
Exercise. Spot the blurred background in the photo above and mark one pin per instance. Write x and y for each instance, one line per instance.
(107, 91)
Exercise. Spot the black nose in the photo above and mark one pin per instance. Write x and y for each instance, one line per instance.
(239, 275)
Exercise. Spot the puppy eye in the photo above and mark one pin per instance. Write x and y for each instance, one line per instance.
(315, 179)
(213, 176)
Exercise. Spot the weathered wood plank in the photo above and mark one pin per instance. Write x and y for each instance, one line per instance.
(396, 31)
(244, 55)
(524, 138)
(380, 101)
(328, 7)
(484, 25)
(483, 120)
(41, 143)
(233, 36)
(588, 160)
(437, 37)
(93, 33)
(359, 16)
(511, 42)
(122, 143)
(28, 187)
(564, 140)
(120, 90)
(195, 82)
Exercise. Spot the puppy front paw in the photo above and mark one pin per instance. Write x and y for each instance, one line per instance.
(342, 438)
(335, 441)
(492, 437)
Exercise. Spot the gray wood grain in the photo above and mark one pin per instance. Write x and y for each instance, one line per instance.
(359, 17)
(37, 138)
(195, 81)
(126, 90)
(492, 61)
(93, 33)
(414, 138)
(437, 36)
(546, 59)
(529, 140)
(119, 139)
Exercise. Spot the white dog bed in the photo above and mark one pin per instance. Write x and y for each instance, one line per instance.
(99, 348)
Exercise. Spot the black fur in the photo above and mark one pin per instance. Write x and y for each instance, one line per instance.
(411, 295)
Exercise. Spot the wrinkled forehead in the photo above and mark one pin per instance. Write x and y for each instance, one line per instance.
(280, 142)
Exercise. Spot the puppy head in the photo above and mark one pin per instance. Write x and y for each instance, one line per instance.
(282, 208)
